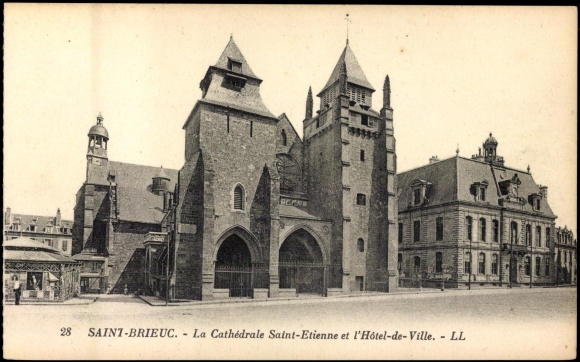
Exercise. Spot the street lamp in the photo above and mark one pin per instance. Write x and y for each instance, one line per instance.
(470, 260)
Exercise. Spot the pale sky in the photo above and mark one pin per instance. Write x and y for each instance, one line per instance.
(457, 74)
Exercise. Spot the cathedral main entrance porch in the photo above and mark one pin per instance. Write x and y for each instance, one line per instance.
(236, 276)
(301, 266)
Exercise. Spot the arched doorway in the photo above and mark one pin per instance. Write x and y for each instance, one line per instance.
(301, 264)
(233, 267)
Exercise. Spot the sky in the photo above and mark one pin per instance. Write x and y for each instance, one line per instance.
(457, 74)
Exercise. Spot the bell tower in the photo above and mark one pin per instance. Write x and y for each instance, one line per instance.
(97, 148)
(349, 158)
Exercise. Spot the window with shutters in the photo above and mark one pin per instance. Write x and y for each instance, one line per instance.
(239, 198)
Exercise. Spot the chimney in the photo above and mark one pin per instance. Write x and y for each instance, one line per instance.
(544, 191)
(57, 221)
(7, 217)
(433, 159)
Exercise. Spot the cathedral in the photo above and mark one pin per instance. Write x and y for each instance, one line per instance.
(256, 211)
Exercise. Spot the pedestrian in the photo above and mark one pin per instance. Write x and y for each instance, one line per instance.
(16, 290)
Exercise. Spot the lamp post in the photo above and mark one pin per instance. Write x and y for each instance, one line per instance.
(470, 259)
(531, 259)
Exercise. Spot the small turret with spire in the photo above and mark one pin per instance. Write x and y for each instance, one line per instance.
(387, 93)
(309, 104)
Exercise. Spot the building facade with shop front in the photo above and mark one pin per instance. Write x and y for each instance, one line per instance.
(474, 222)
(44, 273)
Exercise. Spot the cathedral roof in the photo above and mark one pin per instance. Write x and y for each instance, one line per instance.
(354, 72)
(135, 199)
(232, 52)
(451, 181)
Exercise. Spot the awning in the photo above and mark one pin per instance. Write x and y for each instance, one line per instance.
(52, 278)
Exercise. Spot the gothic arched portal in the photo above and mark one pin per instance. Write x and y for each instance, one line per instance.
(301, 263)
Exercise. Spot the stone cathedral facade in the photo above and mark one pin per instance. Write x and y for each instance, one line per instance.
(257, 211)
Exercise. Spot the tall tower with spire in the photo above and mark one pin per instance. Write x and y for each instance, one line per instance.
(350, 165)
(228, 179)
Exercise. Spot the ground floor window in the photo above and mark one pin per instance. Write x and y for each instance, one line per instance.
(494, 264)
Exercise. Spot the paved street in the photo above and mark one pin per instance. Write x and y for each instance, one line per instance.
(497, 323)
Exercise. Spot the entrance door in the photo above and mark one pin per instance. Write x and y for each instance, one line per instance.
(233, 269)
(301, 265)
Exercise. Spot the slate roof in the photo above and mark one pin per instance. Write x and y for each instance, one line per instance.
(233, 52)
(354, 72)
(135, 201)
(293, 211)
(41, 222)
(451, 180)
(26, 249)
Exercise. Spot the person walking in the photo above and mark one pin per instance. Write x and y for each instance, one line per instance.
(16, 290)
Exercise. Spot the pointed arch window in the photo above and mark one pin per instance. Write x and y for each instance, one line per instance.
(239, 197)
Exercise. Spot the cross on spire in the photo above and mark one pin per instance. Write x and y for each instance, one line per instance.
(347, 21)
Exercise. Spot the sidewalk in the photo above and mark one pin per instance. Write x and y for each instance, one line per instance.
(157, 302)
(84, 299)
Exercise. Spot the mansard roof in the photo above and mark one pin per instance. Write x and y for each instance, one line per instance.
(354, 72)
(451, 181)
(41, 222)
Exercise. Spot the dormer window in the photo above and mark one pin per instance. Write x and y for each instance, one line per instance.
(420, 190)
(234, 66)
(417, 197)
(479, 191)
(535, 200)
(32, 227)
